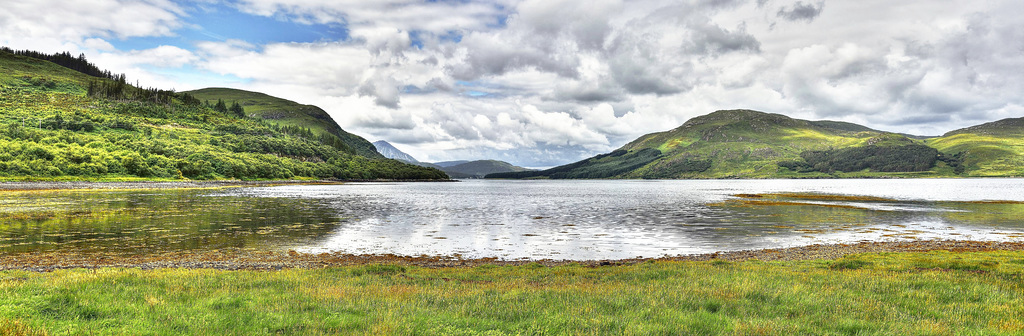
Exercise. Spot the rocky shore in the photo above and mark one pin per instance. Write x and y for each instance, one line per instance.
(264, 260)
(83, 185)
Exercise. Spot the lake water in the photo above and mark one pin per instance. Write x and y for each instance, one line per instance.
(517, 219)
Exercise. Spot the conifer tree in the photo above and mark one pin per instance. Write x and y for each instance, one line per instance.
(220, 107)
(237, 110)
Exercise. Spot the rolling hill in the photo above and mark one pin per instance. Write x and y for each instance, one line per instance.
(752, 144)
(990, 149)
(61, 124)
(282, 112)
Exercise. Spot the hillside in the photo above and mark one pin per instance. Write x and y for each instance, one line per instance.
(61, 124)
(286, 113)
(751, 144)
(990, 149)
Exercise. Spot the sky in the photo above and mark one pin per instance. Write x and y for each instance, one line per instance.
(540, 83)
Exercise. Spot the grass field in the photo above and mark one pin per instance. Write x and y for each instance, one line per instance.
(933, 293)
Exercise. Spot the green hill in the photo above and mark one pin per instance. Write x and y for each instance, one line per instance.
(283, 112)
(61, 124)
(480, 168)
(989, 149)
(751, 144)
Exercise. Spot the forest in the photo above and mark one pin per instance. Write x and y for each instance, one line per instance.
(59, 124)
(908, 158)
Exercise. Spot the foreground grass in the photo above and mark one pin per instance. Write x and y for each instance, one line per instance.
(896, 293)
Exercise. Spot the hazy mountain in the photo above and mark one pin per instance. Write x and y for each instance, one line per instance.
(389, 151)
(451, 163)
(479, 168)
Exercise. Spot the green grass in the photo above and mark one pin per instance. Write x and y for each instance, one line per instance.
(985, 155)
(51, 130)
(936, 293)
(751, 144)
(287, 113)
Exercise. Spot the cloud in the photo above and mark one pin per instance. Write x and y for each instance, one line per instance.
(801, 12)
(50, 24)
(546, 82)
(436, 17)
(383, 89)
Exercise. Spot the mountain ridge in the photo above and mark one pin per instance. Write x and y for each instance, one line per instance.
(454, 169)
(753, 144)
(283, 112)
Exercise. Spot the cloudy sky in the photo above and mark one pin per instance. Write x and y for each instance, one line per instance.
(546, 82)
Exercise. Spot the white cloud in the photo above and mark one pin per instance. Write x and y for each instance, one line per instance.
(407, 15)
(565, 79)
(49, 25)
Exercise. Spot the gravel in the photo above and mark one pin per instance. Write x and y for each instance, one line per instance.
(237, 259)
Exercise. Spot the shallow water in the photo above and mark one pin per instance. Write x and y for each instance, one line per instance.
(517, 219)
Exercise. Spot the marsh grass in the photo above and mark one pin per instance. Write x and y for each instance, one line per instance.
(935, 293)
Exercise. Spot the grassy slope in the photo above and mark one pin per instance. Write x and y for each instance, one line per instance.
(161, 142)
(936, 293)
(750, 144)
(743, 143)
(990, 149)
(287, 113)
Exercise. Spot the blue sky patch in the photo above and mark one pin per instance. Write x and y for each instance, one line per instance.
(220, 22)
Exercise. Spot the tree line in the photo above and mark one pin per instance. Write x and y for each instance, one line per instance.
(908, 158)
(65, 59)
(119, 130)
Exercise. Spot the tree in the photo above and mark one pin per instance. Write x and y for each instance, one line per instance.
(237, 110)
(220, 107)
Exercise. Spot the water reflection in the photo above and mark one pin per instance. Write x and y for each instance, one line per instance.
(622, 219)
(156, 221)
(517, 219)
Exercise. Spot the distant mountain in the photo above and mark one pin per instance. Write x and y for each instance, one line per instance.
(455, 169)
(479, 168)
(752, 144)
(450, 163)
(389, 151)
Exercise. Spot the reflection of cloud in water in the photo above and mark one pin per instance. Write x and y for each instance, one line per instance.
(621, 219)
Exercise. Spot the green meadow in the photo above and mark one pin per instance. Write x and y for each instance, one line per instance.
(933, 293)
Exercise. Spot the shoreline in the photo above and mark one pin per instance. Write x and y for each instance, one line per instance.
(238, 259)
(93, 185)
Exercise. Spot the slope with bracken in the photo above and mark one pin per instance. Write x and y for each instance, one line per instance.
(284, 112)
(61, 124)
